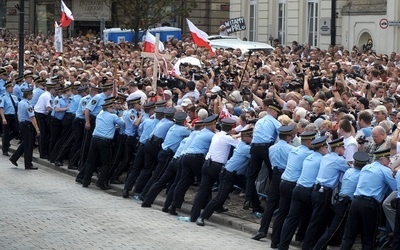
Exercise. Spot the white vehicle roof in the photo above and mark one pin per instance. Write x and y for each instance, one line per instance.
(228, 42)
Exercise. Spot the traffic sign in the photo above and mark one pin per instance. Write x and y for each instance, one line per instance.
(383, 23)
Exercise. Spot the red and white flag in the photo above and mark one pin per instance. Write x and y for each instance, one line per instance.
(66, 15)
(224, 113)
(149, 44)
(200, 38)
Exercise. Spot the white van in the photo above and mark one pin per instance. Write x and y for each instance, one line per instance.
(231, 42)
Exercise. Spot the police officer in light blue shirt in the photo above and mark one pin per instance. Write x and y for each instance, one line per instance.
(3, 79)
(27, 126)
(333, 165)
(28, 81)
(168, 148)
(8, 115)
(192, 161)
(132, 118)
(374, 181)
(288, 181)
(152, 147)
(38, 91)
(147, 128)
(278, 156)
(301, 206)
(100, 146)
(232, 174)
(17, 88)
(343, 200)
(264, 136)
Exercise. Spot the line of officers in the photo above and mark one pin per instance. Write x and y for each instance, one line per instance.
(95, 133)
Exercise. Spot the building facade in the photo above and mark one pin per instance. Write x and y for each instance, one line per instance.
(40, 15)
(358, 22)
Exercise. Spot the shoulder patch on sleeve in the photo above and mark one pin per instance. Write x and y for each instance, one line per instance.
(55, 102)
(84, 103)
(51, 102)
(1, 100)
(94, 102)
(30, 109)
(133, 117)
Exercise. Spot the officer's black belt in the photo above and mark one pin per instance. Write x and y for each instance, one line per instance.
(277, 170)
(199, 154)
(9, 116)
(102, 138)
(26, 122)
(262, 144)
(301, 186)
(363, 197)
(156, 139)
(289, 182)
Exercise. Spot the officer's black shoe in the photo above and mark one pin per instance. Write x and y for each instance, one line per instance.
(44, 157)
(6, 154)
(165, 210)
(200, 221)
(85, 184)
(222, 210)
(258, 209)
(102, 186)
(146, 205)
(116, 181)
(125, 193)
(79, 180)
(172, 210)
(58, 163)
(32, 168)
(73, 167)
(259, 236)
(14, 162)
(299, 238)
(246, 205)
(274, 245)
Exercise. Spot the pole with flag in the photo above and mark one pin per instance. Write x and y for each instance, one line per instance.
(66, 15)
(200, 38)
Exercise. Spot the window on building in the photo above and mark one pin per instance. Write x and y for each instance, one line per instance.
(282, 21)
(3, 13)
(45, 16)
(312, 22)
(252, 20)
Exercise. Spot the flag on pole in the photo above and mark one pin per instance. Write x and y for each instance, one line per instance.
(66, 15)
(58, 39)
(150, 43)
(200, 38)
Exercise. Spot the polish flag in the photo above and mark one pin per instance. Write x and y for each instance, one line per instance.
(66, 15)
(200, 38)
(150, 44)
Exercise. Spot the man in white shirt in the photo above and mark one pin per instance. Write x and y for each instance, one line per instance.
(134, 92)
(43, 108)
(350, 143)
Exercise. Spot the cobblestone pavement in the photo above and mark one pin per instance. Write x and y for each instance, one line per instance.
(44, 209)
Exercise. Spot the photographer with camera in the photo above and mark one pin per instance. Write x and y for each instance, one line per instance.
(379, 141)
(188, 91)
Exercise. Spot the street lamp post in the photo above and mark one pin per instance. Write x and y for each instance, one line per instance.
(21, 9)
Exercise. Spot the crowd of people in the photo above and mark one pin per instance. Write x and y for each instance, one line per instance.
(319, 127)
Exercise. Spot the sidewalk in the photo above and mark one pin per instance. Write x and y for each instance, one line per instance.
(236, 217)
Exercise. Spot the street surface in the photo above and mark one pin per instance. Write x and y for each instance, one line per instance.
(45, 209)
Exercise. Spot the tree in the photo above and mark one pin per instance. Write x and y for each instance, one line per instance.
(143, 14)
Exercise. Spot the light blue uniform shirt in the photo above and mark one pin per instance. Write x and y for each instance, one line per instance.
(60, 102)
(295, 163)
(240, 159)
(180, 148)
(374, 181)
(37, 92)
(2, 88)
(201, 143)
(17, 91)
(310, 169)
(82, 106)
(174, 136)
(140, 128)
(74, 103)
(266, 130)
(349, 182)
(191, 137)
(7, 105)
(162, 128)
(94, 106)
(130, 116)
(105, 124)
(398, 183)
(25, 111)
(332, 166)
(278, 154)
(148, 127)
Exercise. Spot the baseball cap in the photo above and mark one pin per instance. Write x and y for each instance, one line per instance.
(381, 108)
